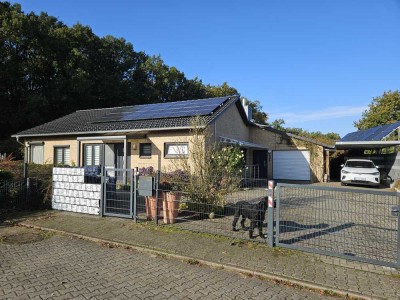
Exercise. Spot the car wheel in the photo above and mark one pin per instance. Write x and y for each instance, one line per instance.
(343, 184)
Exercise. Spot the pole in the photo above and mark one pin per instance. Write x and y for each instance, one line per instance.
(157, 193)
(270, 194)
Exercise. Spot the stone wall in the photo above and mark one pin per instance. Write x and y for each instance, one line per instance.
(71, 193)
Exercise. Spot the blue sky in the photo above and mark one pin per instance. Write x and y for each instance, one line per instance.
(316, 64)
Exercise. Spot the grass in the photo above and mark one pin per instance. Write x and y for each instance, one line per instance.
(193, 262)
(47, 234)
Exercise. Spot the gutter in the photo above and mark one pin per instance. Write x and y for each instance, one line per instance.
(17, 136)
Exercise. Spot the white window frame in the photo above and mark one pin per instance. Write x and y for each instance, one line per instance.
(176, 150)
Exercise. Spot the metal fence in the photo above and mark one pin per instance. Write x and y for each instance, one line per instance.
(21, 194)
(206, 205)
(351, 223)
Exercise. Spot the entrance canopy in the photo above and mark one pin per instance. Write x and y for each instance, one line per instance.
(239, 143)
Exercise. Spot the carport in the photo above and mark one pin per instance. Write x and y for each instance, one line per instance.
(379, 144)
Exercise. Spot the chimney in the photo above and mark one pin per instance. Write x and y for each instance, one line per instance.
(247, 109)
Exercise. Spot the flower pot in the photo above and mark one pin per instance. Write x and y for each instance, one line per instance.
(151, 210)
(171, 206)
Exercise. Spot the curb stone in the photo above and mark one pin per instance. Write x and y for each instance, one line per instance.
(163, 253)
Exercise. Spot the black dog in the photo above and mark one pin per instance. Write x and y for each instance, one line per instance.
(255, 212)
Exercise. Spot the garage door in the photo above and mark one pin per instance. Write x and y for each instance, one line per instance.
(291, 165)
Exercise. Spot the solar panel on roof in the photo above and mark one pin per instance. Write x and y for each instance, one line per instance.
(164, 110)
(372, 134)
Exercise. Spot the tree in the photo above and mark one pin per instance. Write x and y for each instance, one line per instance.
(49, 69)
(259, 116)
(278, 124)
(382, 110)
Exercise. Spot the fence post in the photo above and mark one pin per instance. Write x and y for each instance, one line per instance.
(135, 185)
(28, 190)
(398, 229)
(157, 192)
(103, 190)
(270, 194)
(25, 170)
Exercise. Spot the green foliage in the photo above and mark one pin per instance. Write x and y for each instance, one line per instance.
(47, 66)
(259, 116)
(213, 171)
(382, 110)
(5, 175)
(328, 138)
(278, 124)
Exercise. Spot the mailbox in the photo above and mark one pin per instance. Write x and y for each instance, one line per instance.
(146, 186)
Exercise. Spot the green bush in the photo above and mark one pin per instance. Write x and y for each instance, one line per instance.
(5, 175)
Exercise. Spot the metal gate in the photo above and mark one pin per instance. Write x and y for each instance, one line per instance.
(118, 193)
(350, 223)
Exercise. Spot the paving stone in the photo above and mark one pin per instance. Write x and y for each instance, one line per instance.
(73, 276)
(370, 280)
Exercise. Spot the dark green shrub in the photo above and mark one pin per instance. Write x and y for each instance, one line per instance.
(5, 175)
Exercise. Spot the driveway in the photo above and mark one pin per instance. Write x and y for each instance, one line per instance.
(35, 265)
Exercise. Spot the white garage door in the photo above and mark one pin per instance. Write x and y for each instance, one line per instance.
(291, 165)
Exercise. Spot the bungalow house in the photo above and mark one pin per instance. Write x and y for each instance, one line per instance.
(155, 134)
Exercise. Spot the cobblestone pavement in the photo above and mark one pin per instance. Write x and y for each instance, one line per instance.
(332, 273)
(68, 268)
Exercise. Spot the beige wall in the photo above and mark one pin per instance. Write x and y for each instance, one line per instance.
(50, 143)
(230, 124)
(275, 141)
(157, 139)
(272, 140)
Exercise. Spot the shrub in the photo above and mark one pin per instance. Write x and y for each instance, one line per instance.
(214, 170)
(5, 175)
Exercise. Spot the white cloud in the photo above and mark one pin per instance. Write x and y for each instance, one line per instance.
(330, 113)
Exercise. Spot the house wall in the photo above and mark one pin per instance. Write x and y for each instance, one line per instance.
(50, 143)
(275, 141)
(316, 158)
(158, 140)
(230, 124)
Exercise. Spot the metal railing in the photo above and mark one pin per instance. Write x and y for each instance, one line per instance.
(21, 194)
(350, 223)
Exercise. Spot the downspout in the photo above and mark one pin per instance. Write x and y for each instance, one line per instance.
(25, 157)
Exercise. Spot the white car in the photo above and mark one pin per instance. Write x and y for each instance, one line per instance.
(360, 171)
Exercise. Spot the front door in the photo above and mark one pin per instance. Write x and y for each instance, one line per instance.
(260, 158)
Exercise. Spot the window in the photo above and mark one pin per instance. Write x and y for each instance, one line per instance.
(91, 155)
(173, 150)
(36, 153)
(145, 150)
(61, 155)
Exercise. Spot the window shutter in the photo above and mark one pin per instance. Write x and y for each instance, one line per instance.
(96, 155)
(88, 155)
(37, 154)
(66, 156)
(59, 156)
(145, 149)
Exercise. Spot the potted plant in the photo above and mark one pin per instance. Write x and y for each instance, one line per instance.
(171, 185)
(152, 209)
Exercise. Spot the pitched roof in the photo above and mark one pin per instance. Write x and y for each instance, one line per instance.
(108, 120)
